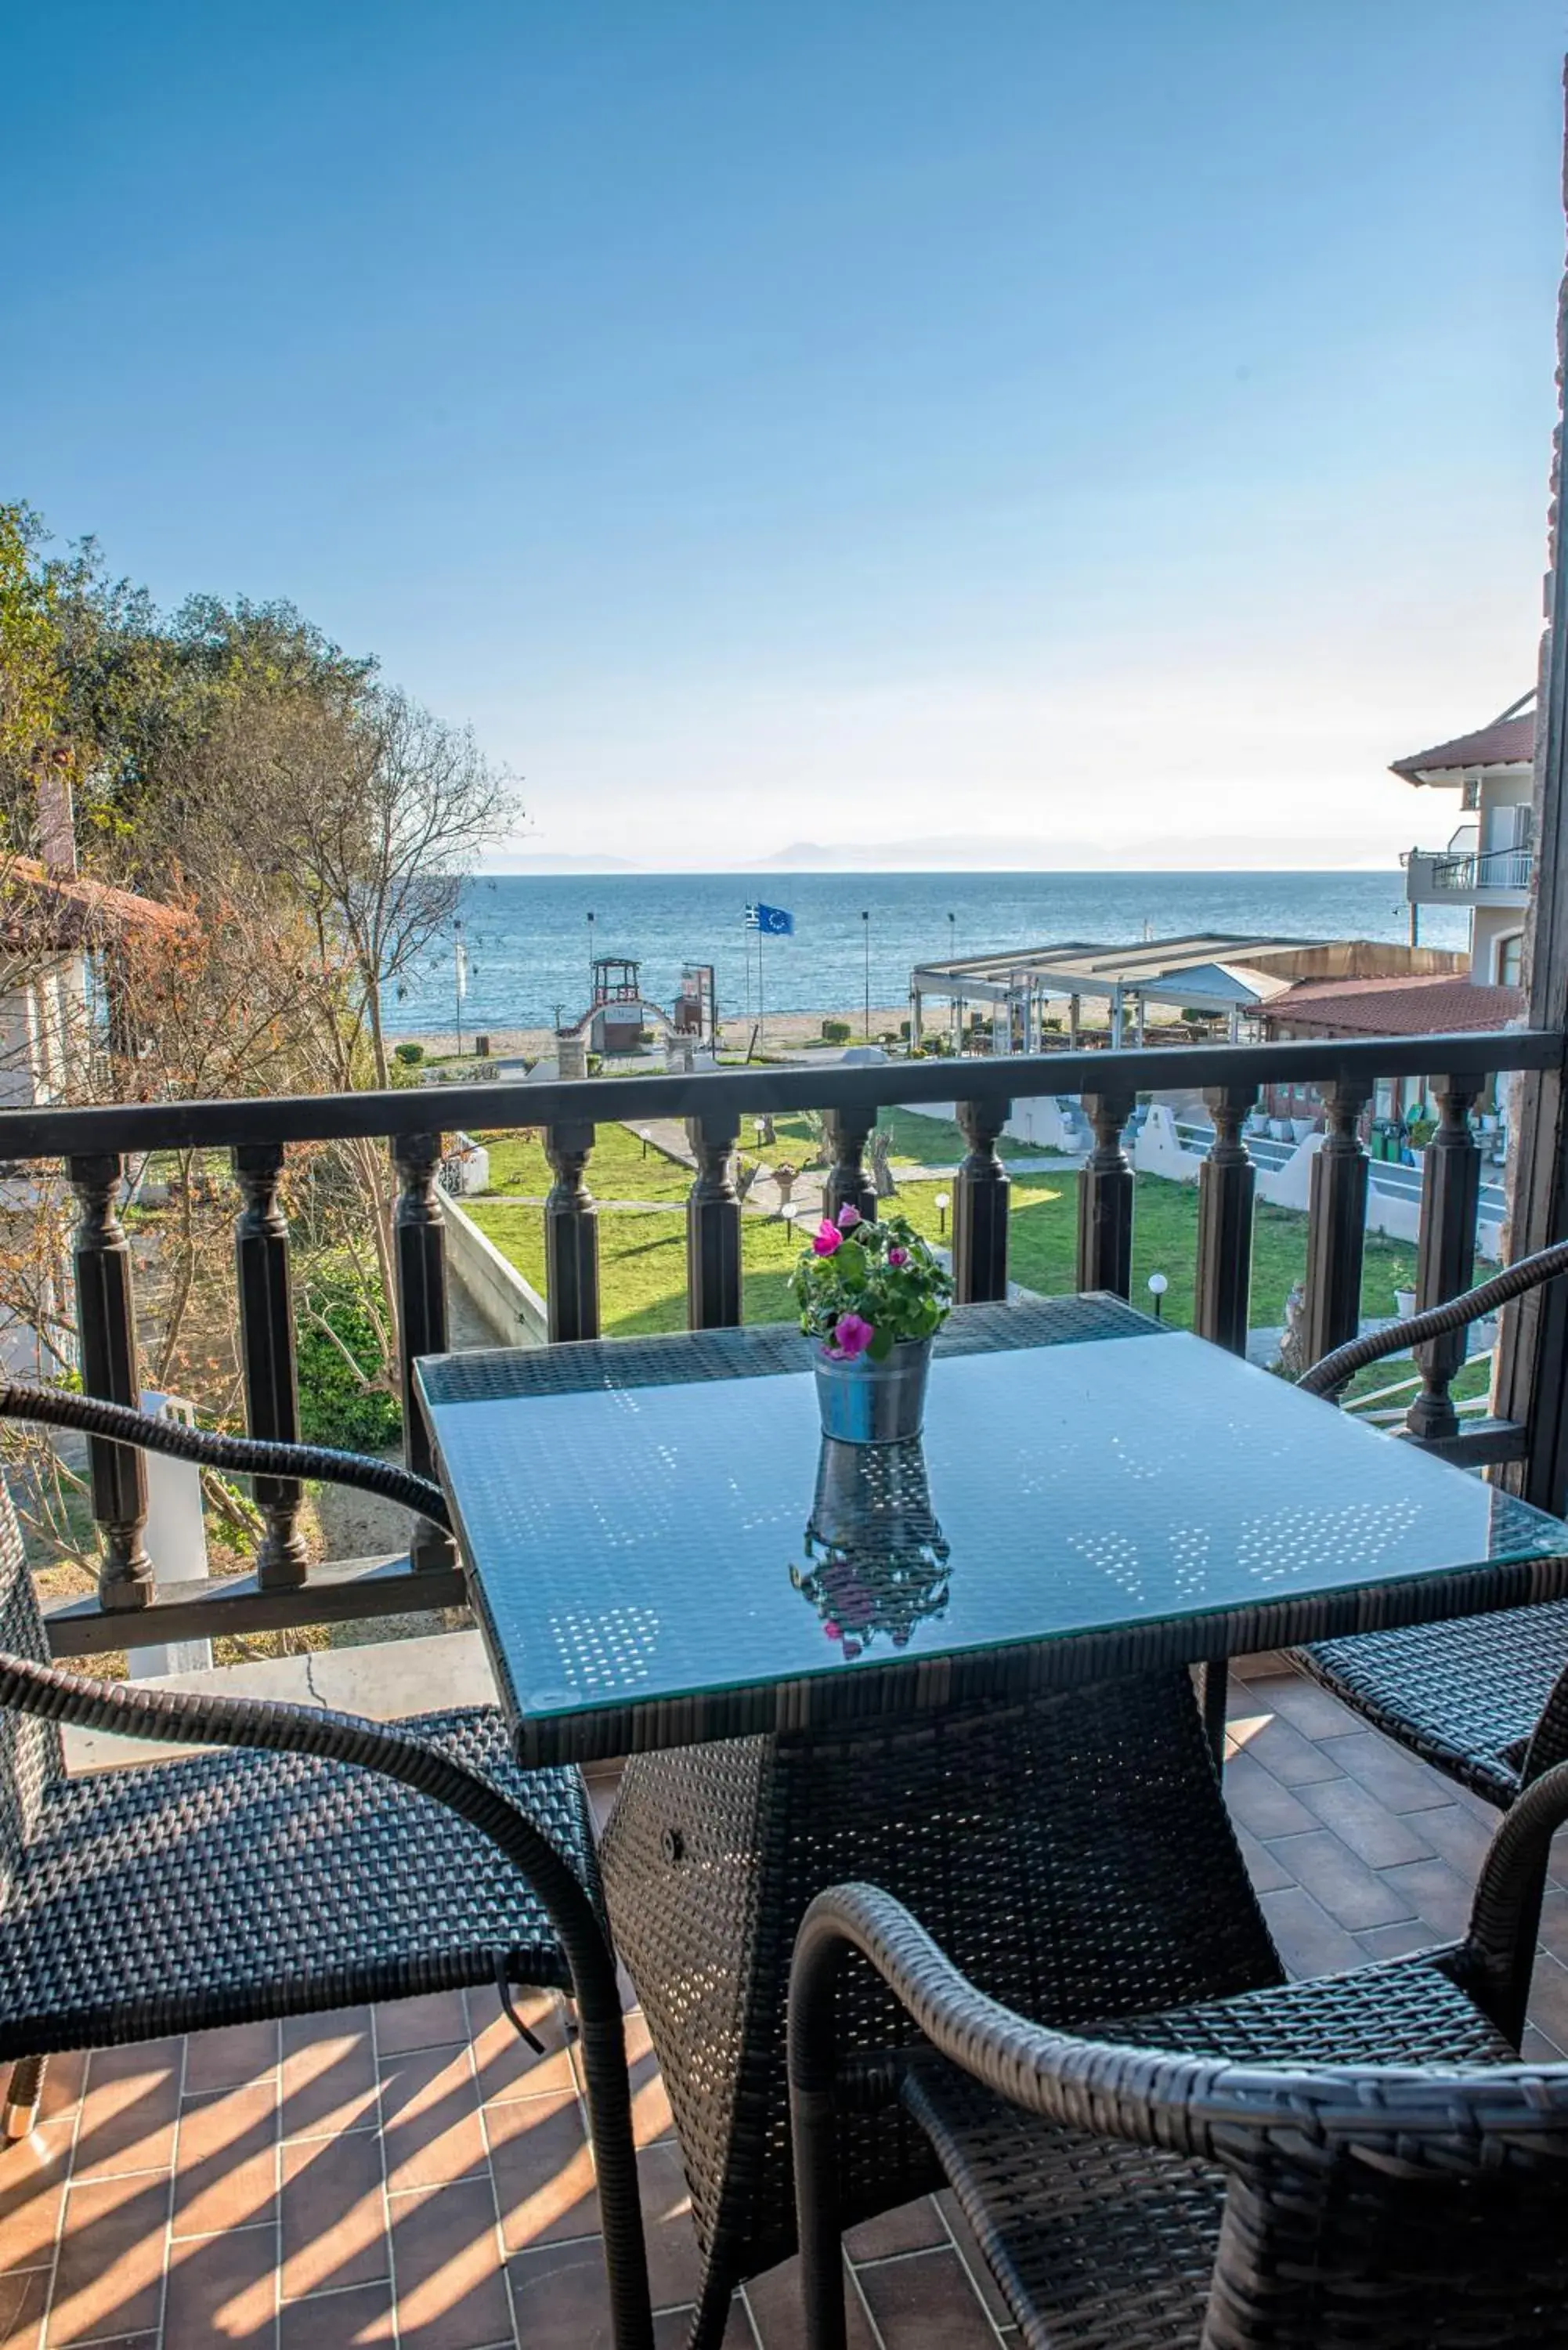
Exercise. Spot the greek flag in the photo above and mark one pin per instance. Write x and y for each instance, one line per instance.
(773, 919)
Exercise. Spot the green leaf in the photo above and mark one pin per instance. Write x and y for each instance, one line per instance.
(881, 1346)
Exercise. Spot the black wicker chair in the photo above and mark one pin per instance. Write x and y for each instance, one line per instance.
(1484, 1700)
(328, 1862)
(1360, 2160)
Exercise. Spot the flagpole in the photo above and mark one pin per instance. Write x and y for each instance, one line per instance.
(746, 951)
(762, 1018)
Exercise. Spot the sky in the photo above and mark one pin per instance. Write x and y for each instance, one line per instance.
(1101, 435)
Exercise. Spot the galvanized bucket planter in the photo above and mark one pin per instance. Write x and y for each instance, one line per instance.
(863, 1402)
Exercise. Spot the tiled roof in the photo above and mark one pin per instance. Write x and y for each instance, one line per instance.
(1395, 1007)
(40, 908)
(1506, 742)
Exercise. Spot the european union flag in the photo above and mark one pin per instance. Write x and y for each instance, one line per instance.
(771, 919)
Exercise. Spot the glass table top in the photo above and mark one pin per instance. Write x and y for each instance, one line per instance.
(638, 1552)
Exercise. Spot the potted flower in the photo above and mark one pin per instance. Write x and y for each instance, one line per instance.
(787, 1176)
(1404, 1293)
(873, 1296)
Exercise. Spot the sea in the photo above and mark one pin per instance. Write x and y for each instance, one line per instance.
(527, 939)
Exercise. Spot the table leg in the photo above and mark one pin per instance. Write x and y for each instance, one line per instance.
(1216, 1690)
(1073, 1854)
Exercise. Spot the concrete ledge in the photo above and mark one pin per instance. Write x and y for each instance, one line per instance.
(507, 1305)
(386, 1680)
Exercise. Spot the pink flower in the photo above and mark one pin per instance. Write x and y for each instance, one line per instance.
(851, 1335)
(850, 1216)
(827, 1239)
(832, 1630)
(898, 1256)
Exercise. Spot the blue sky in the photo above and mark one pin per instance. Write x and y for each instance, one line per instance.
(1122, 427)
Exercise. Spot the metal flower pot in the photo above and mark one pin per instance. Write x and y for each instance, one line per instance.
(863, 1402)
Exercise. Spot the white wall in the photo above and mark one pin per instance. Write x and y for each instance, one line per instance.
(504, 1302)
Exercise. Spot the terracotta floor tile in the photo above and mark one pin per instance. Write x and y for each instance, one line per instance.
(447, 2269)
(23, 2300)
(981, 2282)
(926, 2303)
(1313, 1709)
(439, 2020)
(1267, 1873)
(1435, 1892)
(32, 2191)
(773, 2301)
(916, 2227)
(1261, 1804)
(323, 2023)
(128, 2109)
(674, 2268)
(1355, 1896)
(672, 2328)
(223, 2288)
(109, 2277)
(1306, 1937)
(506, 2065)
(561, 2298)
(334, 2214)
(1397, 1941)
(229, 2059)
(63, 2084)
(329, 2082)
(543, 2174)
(1396, 1779)
(226, 2164)
(1279, 1745)
(1549, 1999)
(1380, 1838)
(337, 2321)
(1453, 1830)
(430, 2118)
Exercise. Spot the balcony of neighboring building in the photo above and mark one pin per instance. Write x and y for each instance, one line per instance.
(1466, 874)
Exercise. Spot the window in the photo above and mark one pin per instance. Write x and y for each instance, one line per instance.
(1470, 794)
(1510, 960)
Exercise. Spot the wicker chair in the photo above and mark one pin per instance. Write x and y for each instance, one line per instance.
(1484, 1699)
(1360, 2160)
(329, 1861)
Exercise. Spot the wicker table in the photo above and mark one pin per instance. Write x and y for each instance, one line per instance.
(959, 1668)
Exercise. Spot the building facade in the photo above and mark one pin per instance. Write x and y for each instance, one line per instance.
(1488, 860)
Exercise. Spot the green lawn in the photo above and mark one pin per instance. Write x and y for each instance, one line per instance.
(619, 1168)
(642, 1264)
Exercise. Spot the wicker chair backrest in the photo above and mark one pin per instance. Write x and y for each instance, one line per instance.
(30, 1749)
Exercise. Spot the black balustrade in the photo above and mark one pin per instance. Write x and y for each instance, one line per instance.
(571, 1234)
(420, 1250)
(105, 1330)
(1336, 1222)
(1446, 1252)
(713, 1224)
(1225, 1183)
(980, 1205)
(93, 1142)
(267, 1355)
(1106, 1198)
(845, 1132)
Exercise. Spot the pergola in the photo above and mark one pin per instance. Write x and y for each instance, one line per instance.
(1225, 974)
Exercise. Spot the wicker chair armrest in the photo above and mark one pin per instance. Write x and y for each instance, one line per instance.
(1147, 2096)
(192, 1718)
(1497, 1957)
(1327, 1377)
(252, 1455)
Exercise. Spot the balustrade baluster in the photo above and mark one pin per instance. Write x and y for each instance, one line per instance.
(267, 1355)
(1446, 1252)
(419, 1243)
(980, 1205)
(1105, 1198)
(713, 1224)
(845, 1132)
(105, 1327)
(1336, 1224)
(571, 1234)
(1225, 1183)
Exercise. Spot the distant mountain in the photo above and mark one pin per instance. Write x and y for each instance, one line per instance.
(1005, 853)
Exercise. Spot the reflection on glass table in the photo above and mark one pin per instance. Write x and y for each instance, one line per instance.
(877, 1558)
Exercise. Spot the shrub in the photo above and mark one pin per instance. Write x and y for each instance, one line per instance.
(410, 1055)
(334, 1409)
(835, 1031)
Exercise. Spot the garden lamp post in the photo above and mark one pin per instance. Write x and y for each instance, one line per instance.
(645, 1136)
(1157, 1286)
(944, 1201)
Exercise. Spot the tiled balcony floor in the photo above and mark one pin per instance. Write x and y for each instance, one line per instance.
(414, 2176)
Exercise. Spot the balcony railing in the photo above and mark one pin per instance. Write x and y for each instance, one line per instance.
(1439, 873)
(285, 1591)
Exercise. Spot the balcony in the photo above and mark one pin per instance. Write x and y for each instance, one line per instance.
(407, 2173)
(1468, 877)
